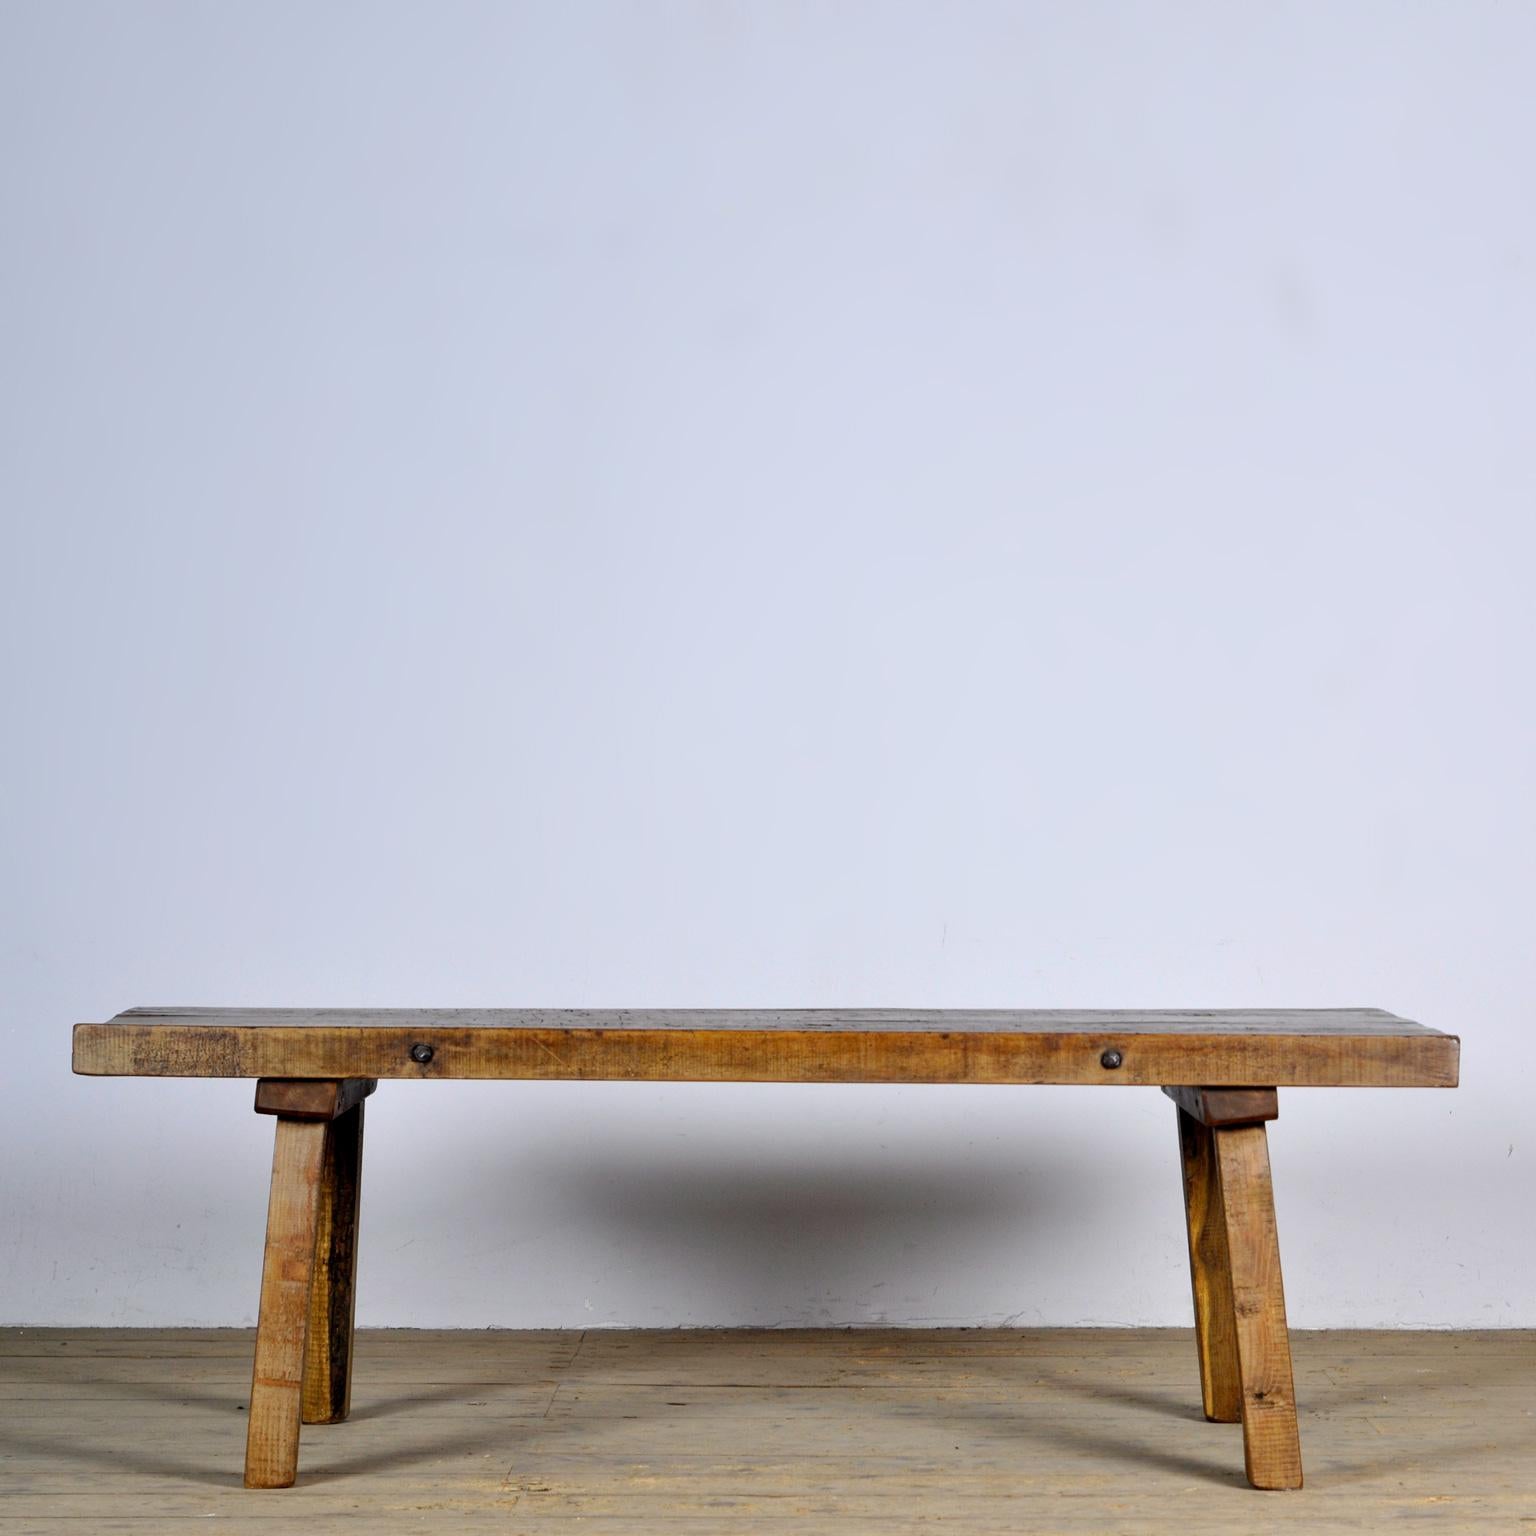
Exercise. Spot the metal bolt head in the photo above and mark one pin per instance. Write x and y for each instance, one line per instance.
(421, 1052)
(1110, 1060)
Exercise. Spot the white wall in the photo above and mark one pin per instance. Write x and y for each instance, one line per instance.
(767, 504)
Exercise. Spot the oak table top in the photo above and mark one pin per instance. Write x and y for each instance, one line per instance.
(1285, 1047)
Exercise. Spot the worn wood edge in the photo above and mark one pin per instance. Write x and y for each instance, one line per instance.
(1217, 1107)
(812, 1021)
(1416, 1060)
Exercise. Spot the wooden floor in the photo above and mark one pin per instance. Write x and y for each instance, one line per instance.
(984, 1431)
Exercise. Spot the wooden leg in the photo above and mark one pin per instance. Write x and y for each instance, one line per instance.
(328, 1358)
(1210, 1274)
(272, 1435)
(1271, 1445)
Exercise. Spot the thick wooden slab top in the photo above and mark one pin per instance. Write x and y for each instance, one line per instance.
(1296, 1047)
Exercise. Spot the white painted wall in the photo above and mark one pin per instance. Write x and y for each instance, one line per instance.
(767, 504)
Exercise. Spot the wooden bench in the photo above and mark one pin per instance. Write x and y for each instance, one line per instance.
(315, 1068)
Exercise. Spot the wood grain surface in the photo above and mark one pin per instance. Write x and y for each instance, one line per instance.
(307, 1098)
(272, 1438)
(1210, 1274)
(327, 1395)
(728, 1432)
(1271, 1445)
(1289, 1047)
(1227, 1106)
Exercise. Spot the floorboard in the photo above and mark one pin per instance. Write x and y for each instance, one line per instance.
(780, 1433)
